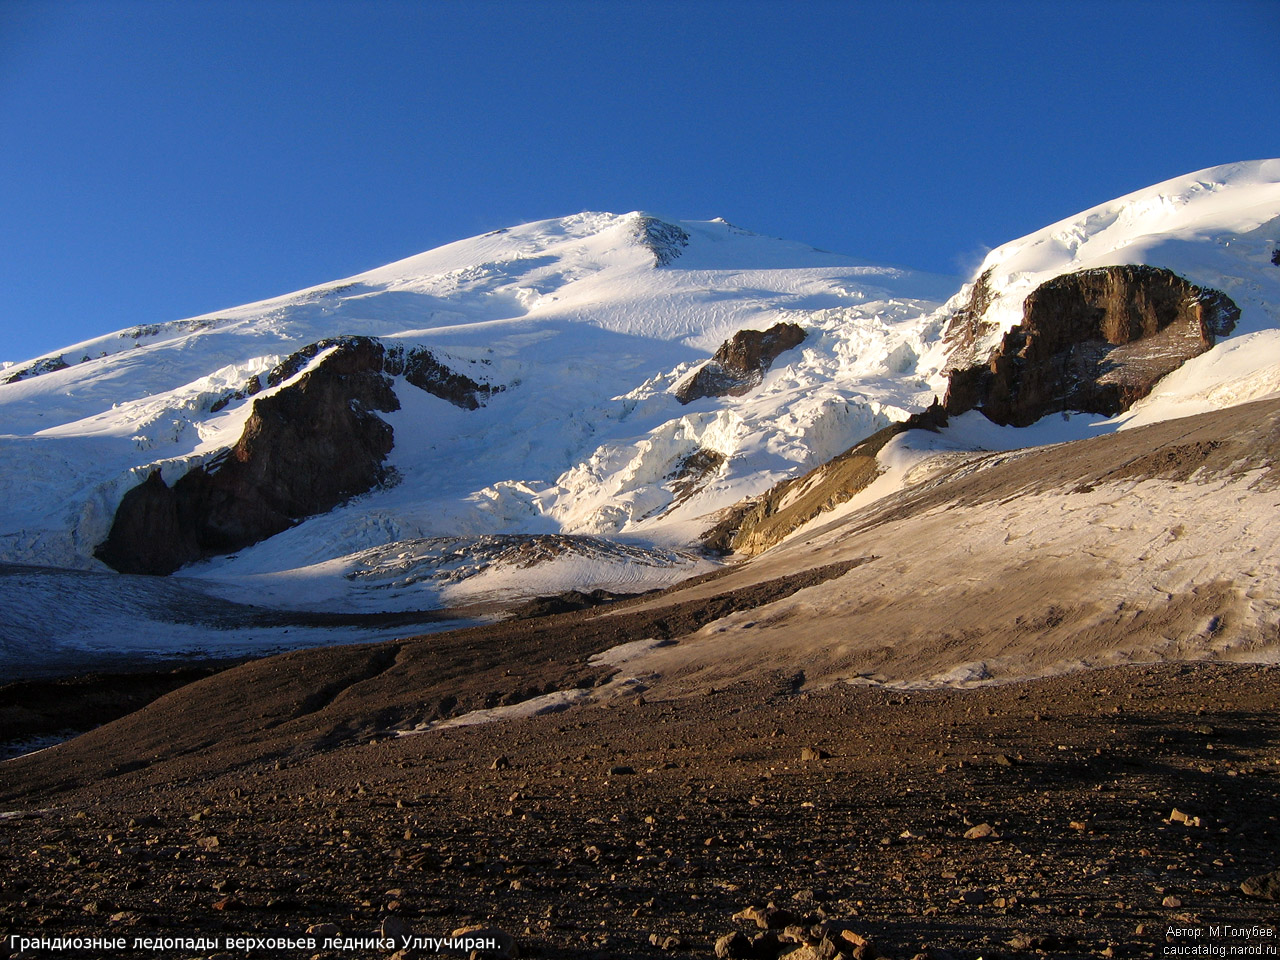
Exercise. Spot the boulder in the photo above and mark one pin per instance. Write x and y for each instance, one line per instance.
(1265, 886)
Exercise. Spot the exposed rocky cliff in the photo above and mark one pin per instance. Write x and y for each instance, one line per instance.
(1094, 341)
(740, 363)
(969, 323)
(304, 449)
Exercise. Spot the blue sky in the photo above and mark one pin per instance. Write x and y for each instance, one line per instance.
(161, 160)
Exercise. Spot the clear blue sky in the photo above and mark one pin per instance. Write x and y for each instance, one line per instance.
(160, 160)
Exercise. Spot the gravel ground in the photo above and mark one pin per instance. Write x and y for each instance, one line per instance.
(1026, 819)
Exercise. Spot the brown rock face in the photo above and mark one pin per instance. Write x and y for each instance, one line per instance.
(304, 449)
(740, 363)
(1095, 341)
(754, 525)
(969, 323)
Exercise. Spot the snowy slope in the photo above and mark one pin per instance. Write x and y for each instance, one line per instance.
(584, 457)
(1218, 227)
(587, 323)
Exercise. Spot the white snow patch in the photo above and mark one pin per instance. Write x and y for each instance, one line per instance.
(624, 652)
(555, 702)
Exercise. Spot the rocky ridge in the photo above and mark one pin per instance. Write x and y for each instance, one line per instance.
(666, 241)
(1094, 341)
(753, 526)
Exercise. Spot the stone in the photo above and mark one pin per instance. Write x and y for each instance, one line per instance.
(983, 831)
(395, 928)
(766, 945)
(507, 949)
(768, 918)
(809, 754)
(860, 946)
(1265, 886)
(733, 946)
(666, 942)
(823, 950)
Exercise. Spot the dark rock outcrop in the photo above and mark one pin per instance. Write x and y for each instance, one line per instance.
(148, 534)
(692, 473)
(1094, 341)
(740, 363)
(665, 241)
(252, 386)
(304, 449)
(421, 368)
(44, 365)
(417, 365)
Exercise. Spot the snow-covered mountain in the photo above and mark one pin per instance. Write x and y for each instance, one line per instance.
(1218, 228)
(556, 416)
(575, 331)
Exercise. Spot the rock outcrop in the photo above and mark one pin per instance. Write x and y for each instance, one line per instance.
(969, 324)
(752, 526)
(1094, 341)
(304, 449)
(740, 363)
(421, 368)
(42, 366)
(665, 241)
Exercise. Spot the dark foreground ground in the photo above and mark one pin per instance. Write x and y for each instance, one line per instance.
(640, 829)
